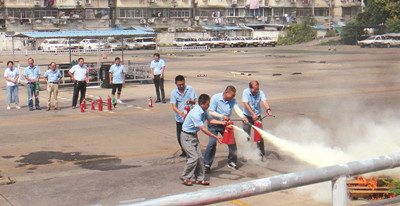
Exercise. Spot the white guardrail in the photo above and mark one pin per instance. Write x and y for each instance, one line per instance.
(62, 51)
(183, 48)
(337, 174)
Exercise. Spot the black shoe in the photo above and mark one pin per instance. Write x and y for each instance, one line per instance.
(183, 155)
(163, 101)
(30, 109)
(157, 101)
(232, 165)
(38, 108)
(208, 169)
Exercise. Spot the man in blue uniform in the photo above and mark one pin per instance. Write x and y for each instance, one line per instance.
(32, 75)
(181, 96)
(193, 123)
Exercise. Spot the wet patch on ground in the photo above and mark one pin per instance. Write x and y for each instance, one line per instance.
(92, 162)
(8, 157)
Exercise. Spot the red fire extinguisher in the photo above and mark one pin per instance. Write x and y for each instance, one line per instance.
(257, 136)
(186, 111)
(109, 104)
(150, 102)
(84, 104)
(82, 107)
(228, 137)
(92, 103)
(100, 104)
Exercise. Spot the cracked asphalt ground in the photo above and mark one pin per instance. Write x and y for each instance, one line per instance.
(131, 154)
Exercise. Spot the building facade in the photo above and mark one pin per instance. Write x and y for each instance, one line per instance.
(168, 15)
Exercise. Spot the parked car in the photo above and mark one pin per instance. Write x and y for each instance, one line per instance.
(112, 44)
(51, 45)
(146, 42)
(130, 44)
(235, 41)
(91, 44)
(73, 44)
(250, 41)
(266, 41)
(375, 41)
(185, 41)
(216, 41)
(204, 42)
(395, 39)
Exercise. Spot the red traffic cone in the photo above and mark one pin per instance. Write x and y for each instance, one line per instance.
(257, 136)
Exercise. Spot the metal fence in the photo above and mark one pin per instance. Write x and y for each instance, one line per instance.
(61, 51)
(183, 48)
(337, 174)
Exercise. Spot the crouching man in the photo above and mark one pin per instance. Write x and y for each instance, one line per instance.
(190, 143)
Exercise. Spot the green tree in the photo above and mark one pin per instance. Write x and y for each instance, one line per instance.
(298, 33)
(393, 25)
(352, 32)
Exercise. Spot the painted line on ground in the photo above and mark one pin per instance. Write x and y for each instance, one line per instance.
(88, 160)
(238, 202)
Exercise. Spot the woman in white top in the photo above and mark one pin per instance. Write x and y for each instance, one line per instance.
(12, 74)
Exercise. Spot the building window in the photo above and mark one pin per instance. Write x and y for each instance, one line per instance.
(254, 12)
(233, 12)
(39, 14)
(304, 12)
(209, 13)
(278, 12)
(179, 13)
(321, 11)
(20, 13)
(130, 13)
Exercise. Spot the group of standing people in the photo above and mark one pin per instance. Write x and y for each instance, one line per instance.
(79, 74)
(217, 111)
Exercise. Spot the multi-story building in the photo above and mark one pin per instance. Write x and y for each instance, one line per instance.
(171, 15)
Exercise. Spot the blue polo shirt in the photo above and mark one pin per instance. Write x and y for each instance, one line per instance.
(180, 100)
(254, 101)
(12, 74)
(195, 119)
(117, 72)
(32, 72)
(53, 76)
(157, 66)
(219, 105)
(79, 72)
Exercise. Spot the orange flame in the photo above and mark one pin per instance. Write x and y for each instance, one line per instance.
(372, 182)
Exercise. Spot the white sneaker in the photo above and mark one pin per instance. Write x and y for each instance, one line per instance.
(120, 101)
(8, 107)
(17, 107)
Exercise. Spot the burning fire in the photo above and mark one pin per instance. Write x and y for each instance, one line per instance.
(372, 182)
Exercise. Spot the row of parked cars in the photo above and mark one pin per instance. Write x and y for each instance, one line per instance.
(94, 44)
(386, 41)
(227, 41)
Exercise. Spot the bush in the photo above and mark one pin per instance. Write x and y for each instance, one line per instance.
(331, 33)
(299, 33)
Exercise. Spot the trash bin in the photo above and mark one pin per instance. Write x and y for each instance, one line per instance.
(105, 75)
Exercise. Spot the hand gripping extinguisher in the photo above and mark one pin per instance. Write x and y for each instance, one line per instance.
(257, 136)
(109, 103)
(100, 104)
(228, 137)
(186, 111)
(150, 102)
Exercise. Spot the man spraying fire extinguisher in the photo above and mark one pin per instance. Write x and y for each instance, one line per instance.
(252, 98)
(183, 98)
(221, 107)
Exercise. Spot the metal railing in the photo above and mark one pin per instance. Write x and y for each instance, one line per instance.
(61, 51)
(337, 174)
(183, 48)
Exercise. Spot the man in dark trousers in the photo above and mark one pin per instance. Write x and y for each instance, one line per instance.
(78, 73)
(183, 95)
(157, 68)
